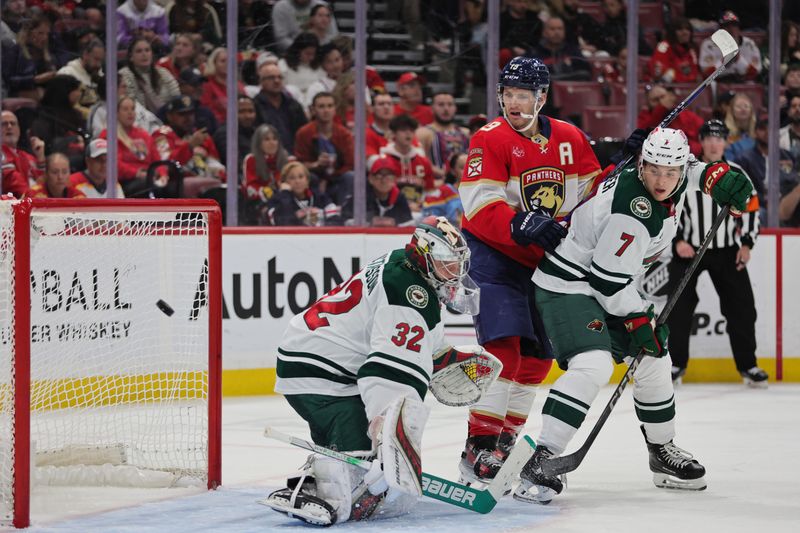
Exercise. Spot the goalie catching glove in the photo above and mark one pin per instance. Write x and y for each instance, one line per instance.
(644, 335)
(461, 374)
(727, 186)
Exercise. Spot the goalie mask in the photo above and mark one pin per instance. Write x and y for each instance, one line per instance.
(440, 253)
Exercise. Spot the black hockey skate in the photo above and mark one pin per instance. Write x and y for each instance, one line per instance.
(755, 378)
(505, 444)
(535, 486)
(302, 505)
(674, 468)
(479, 460)
(677, 375)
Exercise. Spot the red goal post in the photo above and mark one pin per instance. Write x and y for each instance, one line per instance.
(110, 332)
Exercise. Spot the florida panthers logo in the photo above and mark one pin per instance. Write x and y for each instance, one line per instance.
(596, 325)
(543, 188)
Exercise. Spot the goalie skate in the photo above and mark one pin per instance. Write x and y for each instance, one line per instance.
(301, 505)
(674, 468)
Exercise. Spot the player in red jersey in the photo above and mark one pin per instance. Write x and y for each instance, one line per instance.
(524, 172)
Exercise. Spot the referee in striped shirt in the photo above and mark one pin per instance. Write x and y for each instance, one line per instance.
(726, 262)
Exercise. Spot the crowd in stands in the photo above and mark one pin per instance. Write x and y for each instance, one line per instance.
(296, 97)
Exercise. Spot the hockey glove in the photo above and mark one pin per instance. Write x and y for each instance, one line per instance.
(536, 227)
(727, 186)
(645, 337)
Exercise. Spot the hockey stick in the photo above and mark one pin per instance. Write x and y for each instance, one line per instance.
(728, 47)
(477, 500)
(568, 463)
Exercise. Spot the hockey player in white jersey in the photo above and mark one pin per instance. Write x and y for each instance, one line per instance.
(356, 366)
(595, 316)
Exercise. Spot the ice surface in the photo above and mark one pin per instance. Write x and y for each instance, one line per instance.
(747, 439)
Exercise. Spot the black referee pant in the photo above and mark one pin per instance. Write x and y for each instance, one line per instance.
(735, 299)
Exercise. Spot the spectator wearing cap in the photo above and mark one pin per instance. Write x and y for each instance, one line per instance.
(248, 121)
(151, 85)
(754, 162)
(289, 17)
(276, 107)
(416, 173)
(298, 204)
(214, 94)
(675, 58)
(136, 150)
(185, 54)
(660, 101)
(326, 148)
(386, 206)
(377, 135)
(92, 181)
(746, 66)
(55, 183)
(21, 169)
(179, 140)
(789, 136)
(87, 69)
(563, 59)
(409, 89)
(142, 18)
(476, 122)
(190, 83)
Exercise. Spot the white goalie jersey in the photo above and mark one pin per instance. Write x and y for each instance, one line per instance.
(614, 237)
(373, 335)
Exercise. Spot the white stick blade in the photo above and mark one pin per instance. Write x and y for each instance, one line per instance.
(726, 44)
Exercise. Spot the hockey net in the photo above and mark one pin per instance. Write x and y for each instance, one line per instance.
(110, 363)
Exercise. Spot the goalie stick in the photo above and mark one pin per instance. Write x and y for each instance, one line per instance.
(728, 47)
(450, 492)
(568, 463)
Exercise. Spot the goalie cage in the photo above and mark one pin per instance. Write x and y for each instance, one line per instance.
(110, 339)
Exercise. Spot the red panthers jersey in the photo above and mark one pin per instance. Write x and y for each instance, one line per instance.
(507, 172)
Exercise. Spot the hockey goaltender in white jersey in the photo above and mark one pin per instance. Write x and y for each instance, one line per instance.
(357, 365)
(594, 314)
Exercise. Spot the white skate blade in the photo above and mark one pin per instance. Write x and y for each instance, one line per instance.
(755, 384)
(529, 493)
(666, 481)
(310, 512)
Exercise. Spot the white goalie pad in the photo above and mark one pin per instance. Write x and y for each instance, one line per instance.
(464, 381)
(399, 445)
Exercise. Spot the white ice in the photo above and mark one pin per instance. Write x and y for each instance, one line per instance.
(747, 439)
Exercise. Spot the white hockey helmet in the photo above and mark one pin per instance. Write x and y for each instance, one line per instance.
(666, 147)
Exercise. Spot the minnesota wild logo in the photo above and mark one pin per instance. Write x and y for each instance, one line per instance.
(596, 325)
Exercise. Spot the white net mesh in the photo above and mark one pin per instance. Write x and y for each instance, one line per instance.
(119, 348)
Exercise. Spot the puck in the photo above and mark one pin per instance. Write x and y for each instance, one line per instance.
(165, 308)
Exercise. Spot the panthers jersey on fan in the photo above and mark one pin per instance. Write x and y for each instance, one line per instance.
(507, 172)
(373, 335)
(614, 237)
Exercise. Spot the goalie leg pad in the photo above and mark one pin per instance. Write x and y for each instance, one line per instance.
(336, 481)
(399, 445)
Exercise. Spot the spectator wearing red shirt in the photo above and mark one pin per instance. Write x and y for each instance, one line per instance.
(56, 180)
(136, 150)
(409, 88)
(214, 94)
(21, 170)
(675, 58)
(262, 172)
(184, 55)
(378, 131)
(92, 181)
(660, 101)
(416, 172)
(326, 148)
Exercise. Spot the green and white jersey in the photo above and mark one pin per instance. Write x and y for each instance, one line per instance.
(373, 335)
(614, 237)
